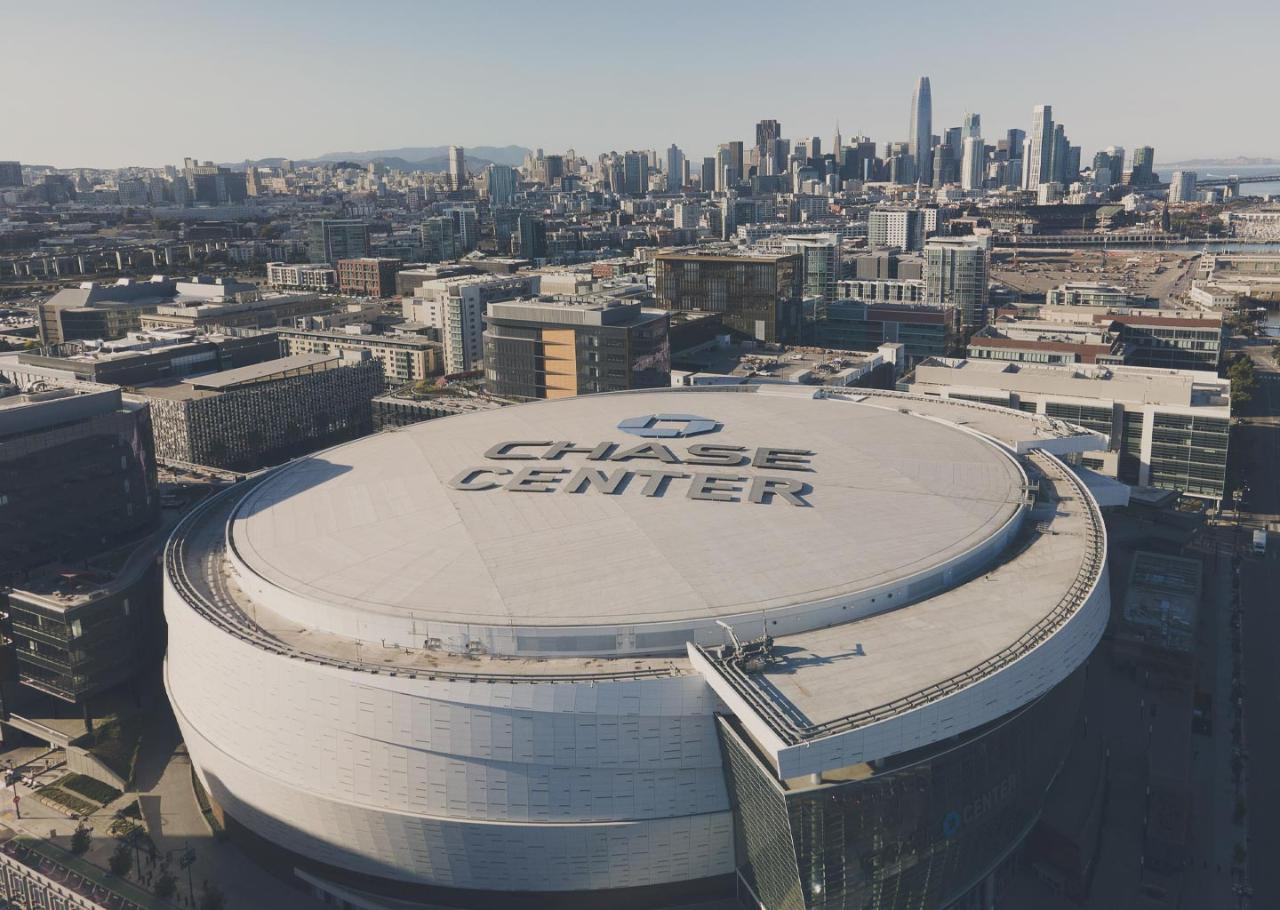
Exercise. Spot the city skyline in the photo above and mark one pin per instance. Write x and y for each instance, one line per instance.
(684, 90)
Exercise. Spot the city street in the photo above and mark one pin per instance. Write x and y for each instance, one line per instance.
(1259, 450)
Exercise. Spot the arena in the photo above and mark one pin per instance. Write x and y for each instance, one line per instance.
(808, 647)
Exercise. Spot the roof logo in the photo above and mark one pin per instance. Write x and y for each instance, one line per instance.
(668, 426)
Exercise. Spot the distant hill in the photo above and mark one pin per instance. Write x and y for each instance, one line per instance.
(433, 157)
(1238, 161)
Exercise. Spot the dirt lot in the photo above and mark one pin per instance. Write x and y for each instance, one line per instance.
(1160, 274)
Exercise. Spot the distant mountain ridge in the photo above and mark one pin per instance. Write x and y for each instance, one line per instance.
(424, 155)
(427, 158)
(1238, 161)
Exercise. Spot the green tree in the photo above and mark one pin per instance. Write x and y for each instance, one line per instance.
(81, 839)
(166, 883)
(121, 859)
(211, 898)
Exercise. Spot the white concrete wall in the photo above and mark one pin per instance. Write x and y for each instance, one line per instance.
(543, 786)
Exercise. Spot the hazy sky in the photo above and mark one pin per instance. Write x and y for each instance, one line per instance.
(106, 84)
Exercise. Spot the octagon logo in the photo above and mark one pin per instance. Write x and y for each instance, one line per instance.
(668, 426)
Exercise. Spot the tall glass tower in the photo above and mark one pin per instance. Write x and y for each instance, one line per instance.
(920, 143)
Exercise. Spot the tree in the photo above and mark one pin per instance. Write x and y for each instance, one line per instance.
(81, 839)
(211, 898)
(166, 883)
(121, 859)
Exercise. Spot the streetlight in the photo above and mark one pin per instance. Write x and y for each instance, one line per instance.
(186, 861)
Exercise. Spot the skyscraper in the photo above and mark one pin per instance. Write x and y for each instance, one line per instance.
(1144, 159)
(502, 184)
(837, 145)
(1182, 187)
(1037, 168)
(1015, 138)
(10, 173)
(768, 132)
(955, 276)
(635, 173)
(920, 142)
(971, 166)
(675, 169)
(972, 125)
(457, 167)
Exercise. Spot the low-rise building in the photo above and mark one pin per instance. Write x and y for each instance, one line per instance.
(1165, 428)
(404, 358)
(368, 277)
(301, 277)
(244, 419)
(560, 347)
(854, 325)
(1088, 293)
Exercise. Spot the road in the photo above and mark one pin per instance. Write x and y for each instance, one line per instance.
(1258, 448)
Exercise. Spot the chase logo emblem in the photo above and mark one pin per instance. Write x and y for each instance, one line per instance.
(668, 426)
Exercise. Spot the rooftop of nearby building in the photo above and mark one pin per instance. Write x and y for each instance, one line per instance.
(1144, 385)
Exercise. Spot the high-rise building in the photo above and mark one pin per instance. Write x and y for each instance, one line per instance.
(10, 173)
(533, 237)
(570, 346)
(768, 132)
(331, 239)
(708, 175)
(901, 228)
(737, 159)
(635, 173)
(1016, 140)
(820, 257)
(972, 126)
(437, 239)
(457, 167)
(1144, 159)
(973, 163)
(1182, 187)
(759, 295)
(675, 169)
(1037, 166)
(455, 308)
(955, 276)
(503, 182)
(687, 216)
(920, 141)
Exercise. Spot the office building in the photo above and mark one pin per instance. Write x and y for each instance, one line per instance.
(973, 164)
(455, 308)
(96, 310)
(955, 278)
(864, 326)
(438, 244)
(1164, 428)
(920, 142)
(247, 418)
(768, 135)
(1182, 186)
(1037, 165)
(457, 168)
(1172, 340)
(675, 169)
(555, 689)
(504, 182)
(635, 173)
(708, 175)
(77, 470)
(561, 347)
(1144, 159)
(369, 276)
(404, 358)
(759, 295)
(900, 228)
(331, 239)
(288, 276)
(532, 237)
(145, 357)
(10, 173)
